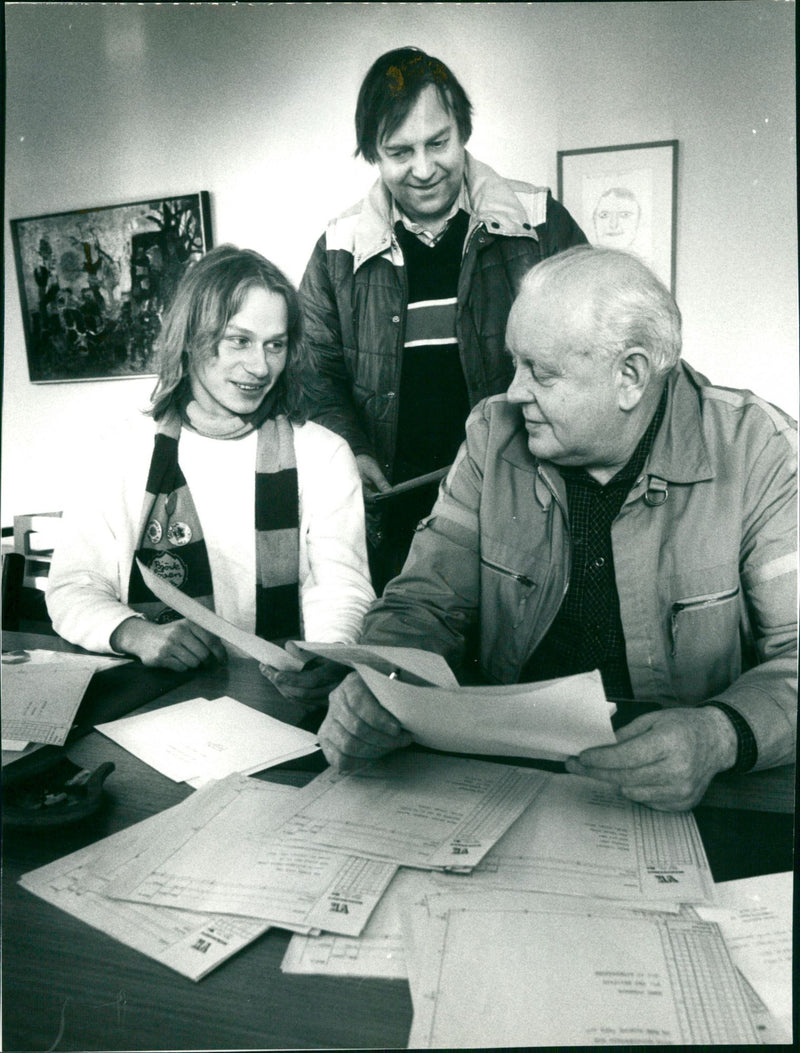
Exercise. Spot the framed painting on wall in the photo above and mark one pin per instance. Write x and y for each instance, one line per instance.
(625, 197)
(94, 283)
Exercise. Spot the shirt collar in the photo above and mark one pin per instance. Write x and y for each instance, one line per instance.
(419, 229)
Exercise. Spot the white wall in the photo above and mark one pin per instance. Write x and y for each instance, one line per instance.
(121, 102)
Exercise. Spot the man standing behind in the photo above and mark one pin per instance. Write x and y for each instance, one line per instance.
(407, 294)
(613, 511)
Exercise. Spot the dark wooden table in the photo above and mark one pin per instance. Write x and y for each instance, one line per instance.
(67, 986)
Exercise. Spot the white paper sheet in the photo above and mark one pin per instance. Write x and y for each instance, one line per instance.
(379, 950)
(191, 943)
(424, 665)
(581, 837)
(756, 916)
(203, 739)
(264, 651)
(550, 720)
(96, 662)
(40, 701)
(578, 837)
(414, 809)
(561, 971)
(234, 863)
(48, 702)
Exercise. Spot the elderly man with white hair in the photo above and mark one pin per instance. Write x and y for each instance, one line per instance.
(613, 510)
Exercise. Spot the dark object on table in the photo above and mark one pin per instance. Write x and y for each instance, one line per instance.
(49, 790)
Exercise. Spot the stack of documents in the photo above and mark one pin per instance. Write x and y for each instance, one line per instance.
(322, 857)
(577, 838)
(596, 921)
(238, 862)
(416, 810)
(310, 860)
(190, 942)
(42, 691)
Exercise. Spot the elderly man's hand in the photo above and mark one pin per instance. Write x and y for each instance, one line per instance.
(664, 759)
(357, 727)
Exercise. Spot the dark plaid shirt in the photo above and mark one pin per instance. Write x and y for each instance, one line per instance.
(587, 631)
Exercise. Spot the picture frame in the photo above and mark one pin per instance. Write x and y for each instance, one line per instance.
(626, 197)
(94, 283)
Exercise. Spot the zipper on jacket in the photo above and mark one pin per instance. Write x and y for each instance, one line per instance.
(568, 572)
(695, 603)
(565, 514)
(399, 346)
(521, 578)
(463, 285)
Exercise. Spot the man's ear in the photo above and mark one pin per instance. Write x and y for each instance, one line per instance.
(633, 377)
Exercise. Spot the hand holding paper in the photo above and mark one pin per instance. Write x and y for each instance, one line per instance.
(422, 666)
(311, 685)
(263, 650)
(550, 720)
(178, 645)
(357, 728)
(373, 714)
(664, 759)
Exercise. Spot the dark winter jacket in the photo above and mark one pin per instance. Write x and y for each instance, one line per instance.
(354, 296)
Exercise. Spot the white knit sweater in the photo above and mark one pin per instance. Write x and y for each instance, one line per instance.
(88, 582)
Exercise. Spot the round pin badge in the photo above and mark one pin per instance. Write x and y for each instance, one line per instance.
(154, 532)
(179, 533)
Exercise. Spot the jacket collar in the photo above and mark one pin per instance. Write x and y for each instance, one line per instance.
(546, 480)
(496, 205)
(679, 453)
(492, 202)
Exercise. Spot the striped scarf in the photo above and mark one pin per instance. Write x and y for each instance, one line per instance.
(171, 540)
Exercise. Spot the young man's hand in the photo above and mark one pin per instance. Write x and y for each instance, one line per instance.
(178, 645)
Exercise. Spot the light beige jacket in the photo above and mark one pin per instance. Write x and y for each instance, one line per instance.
(704, 553)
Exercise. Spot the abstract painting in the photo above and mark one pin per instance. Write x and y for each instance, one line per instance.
(94, 283)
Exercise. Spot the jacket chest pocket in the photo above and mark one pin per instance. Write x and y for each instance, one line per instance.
(511, 590)
(704, 640)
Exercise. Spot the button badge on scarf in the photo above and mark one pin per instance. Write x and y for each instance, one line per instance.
(171, 568)
(179, 533)
(154, 532)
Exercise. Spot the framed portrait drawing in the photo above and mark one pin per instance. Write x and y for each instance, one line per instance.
(94, 283)
(625, 197)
